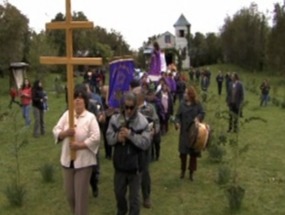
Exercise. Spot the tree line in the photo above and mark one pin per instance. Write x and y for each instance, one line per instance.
(18, 42)
(246, 39)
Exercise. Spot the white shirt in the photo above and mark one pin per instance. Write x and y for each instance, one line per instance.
(87, 131)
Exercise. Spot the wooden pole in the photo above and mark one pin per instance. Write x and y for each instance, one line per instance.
(70, 79)
(69, 60)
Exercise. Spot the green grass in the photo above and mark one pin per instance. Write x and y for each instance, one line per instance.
(261, 169)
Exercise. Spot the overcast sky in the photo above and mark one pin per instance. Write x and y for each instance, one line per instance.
(137, 20)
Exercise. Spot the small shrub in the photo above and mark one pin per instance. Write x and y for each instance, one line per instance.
(235, 195)
(216, 153)
(59, 89)
(283, 105)
(224, 174)
(47, 172)
(15, 194)
(204, 96)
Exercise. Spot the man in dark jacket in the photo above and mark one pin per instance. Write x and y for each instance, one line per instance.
(235, 98)
(220, 80)
(129, 133)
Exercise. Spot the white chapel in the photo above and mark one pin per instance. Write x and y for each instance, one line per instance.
(179, 41)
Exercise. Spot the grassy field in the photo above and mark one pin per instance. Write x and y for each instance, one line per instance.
(261, 168)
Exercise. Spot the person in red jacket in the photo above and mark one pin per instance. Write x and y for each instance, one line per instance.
(26, 100)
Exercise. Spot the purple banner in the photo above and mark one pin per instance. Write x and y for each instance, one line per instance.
(155, 64)
(121, 75)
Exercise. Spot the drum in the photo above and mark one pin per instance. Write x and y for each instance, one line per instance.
(199, 135)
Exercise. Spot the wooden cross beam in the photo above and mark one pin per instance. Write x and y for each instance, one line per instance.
(68, 25)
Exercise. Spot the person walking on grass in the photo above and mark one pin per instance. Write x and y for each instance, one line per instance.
(265, 88)
(189, 111)
(128, 132)
(86, 134)
(235, 98)
(26, 100)
(220, 80)
(38, 101)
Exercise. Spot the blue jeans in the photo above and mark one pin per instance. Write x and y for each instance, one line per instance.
(26, 114)
(264, 99)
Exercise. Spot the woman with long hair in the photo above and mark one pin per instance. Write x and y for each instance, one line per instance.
(26, 100)
(39, 100)
(190, 110)
(166, 99)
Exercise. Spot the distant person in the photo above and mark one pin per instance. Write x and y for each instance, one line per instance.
(208, 73)
(26, 100)
(265, 88)
(165, 97)
(156, 140)
(191, 74)
(220, 80)
(228, 79)
(180, 87)
(197, 75)
(38, 101)
(235, 99)
(205, 82)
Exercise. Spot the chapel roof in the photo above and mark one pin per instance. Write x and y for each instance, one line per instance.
(182, 21)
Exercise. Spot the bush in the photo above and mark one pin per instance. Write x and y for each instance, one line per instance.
(15, 194)
(224, 174)
(283, 104)
(216, 153)
(47, 172)
(235, 195)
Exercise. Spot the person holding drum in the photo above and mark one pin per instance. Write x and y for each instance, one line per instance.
(189, 112)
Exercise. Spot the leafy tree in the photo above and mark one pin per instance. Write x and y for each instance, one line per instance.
(58, 36)
(198, 50)
(214, 48)
(275, 48)
(40, 45)
(243, 37)
(97, 40)
(14, 31)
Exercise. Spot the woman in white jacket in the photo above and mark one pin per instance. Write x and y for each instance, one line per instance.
(85, 142)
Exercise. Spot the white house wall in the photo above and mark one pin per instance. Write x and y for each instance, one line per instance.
(161, 41)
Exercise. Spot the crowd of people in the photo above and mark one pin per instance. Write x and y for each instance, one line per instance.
(31, 97)
(132, 134)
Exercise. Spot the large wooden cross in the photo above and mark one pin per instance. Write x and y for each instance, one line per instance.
(68, 25)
